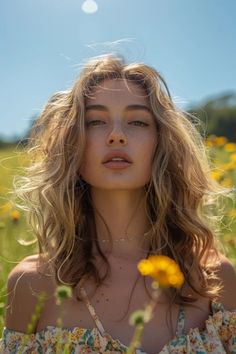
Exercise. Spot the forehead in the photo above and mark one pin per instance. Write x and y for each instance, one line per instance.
(118, 91)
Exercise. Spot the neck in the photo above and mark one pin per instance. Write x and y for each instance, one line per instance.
(121, 221)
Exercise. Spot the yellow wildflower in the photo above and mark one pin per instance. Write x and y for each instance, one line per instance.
(5, 208)
(216, 175)
(233, 157)
(213, 140)
(15, 215)
(163, 270)
(209, 143)
(229, 166)
(230, 147)
(232, 213)
(227, 182)
(220, 140)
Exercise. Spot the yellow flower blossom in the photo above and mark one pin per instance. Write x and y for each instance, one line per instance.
(220, 140)
(233, 157)
(232, 213)
(227, 182)
(231, 165)
(216, 175)
(209, 143)
(5, 208)
(163, 270)
(15, 215)
(230, 147)
(213, 140)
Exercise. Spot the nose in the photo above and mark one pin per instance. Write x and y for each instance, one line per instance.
(117, 134)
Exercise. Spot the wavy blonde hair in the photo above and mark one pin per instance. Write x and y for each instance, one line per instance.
(179, 196)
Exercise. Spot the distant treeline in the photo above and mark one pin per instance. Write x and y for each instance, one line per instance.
(218, 117)
(4, 144)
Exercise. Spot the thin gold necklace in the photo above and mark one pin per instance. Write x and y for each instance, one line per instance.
(123, 239)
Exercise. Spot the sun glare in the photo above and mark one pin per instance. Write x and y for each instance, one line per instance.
(89, 6)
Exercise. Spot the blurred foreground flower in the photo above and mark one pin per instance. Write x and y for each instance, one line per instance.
(31, 327)
(62, 293)
(165, 273)
(163, 270)
(37, 312)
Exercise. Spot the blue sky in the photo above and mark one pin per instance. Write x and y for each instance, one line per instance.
(44, 42)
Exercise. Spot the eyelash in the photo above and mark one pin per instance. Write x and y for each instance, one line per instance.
(143, 124)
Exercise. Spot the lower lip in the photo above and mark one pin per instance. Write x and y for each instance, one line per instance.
(116, 165)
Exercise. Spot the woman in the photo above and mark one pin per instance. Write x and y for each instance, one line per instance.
(119, 173)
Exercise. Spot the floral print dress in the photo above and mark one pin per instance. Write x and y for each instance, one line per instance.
(217, 337)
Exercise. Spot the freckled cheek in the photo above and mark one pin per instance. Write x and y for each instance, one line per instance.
(147, 147)
(91, 156)
(94, 149)
(146, 160)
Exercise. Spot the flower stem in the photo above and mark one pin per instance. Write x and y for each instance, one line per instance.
(136, 341)
(139, 326)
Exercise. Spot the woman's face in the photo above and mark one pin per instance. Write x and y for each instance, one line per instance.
(118, 120)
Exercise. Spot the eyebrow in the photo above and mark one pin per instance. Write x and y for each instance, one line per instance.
(131, 107)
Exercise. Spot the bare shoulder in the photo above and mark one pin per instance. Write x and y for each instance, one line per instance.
(227, 276)
(26, 282)
(30, 270)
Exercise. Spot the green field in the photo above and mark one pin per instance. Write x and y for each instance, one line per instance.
(14, 230)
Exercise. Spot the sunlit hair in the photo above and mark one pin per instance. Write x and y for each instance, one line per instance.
(181, 197)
